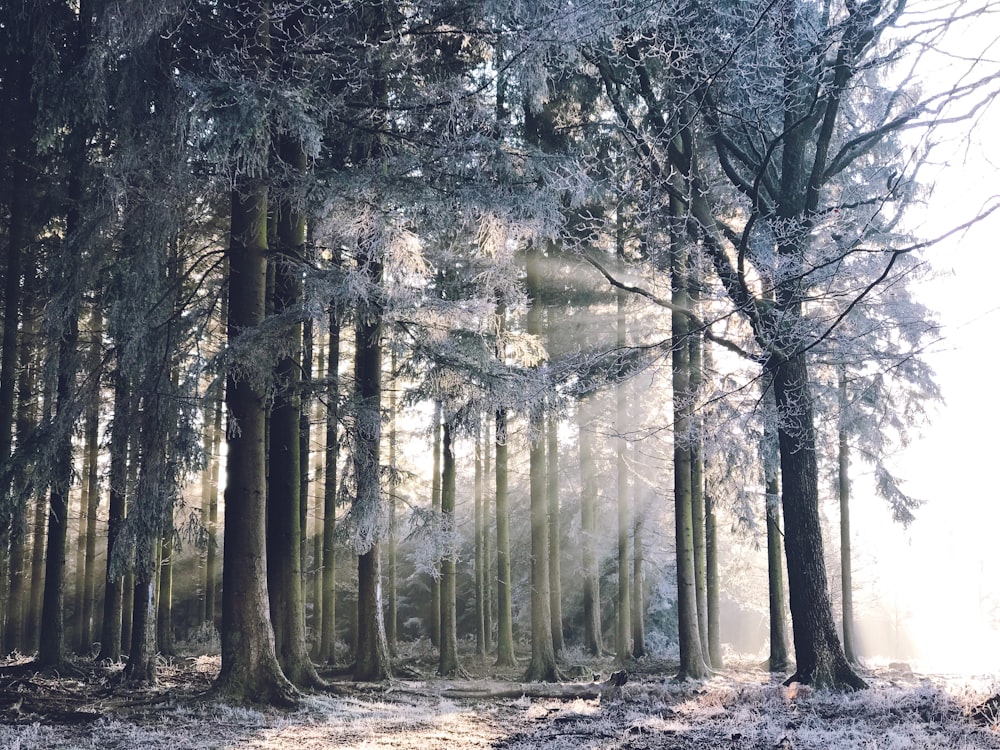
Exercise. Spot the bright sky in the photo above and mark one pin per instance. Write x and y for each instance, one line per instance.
(944, 570)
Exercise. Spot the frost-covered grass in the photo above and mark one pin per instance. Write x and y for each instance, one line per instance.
(735, 710)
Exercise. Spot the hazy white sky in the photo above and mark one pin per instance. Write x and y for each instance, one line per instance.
(944, 570)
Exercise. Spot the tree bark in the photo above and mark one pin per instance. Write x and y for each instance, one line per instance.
(542, 666)
(505, 630)
(482, 603)
(372, 657)
(623, 628)
(638, 617)
(844, 487)
(819, 658)
(111, 631)
(692, 659)
(250, 670)
(592, 631)
(697, 481)
(435, 613)
(25, 419)
(328, 631)
(448, 665)
(555, 567)
(778, 654)
(392, 614)
(285, 498)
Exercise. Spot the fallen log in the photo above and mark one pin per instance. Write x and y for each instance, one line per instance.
(485, 689)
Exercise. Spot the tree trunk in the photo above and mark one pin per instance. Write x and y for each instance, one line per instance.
(555, 567)
(141, 666)
(392, 614)
(697, 486)
(165, 591)
(488, 570)
(305, 409)
(69, 282)
(448, 662)
(592, 631)
(482, 603)
(638, 617)
(542, 667)
(250, 670)
(51, 645)
(111, 631)
(505, 630)
(844, 486)
(778, 656)
(25, 419)
(328, 630)
(284, 491)
(623, 628)
(692, 659)
(22, 163)
(819, 658)
(434, 616)
(712, 585)
(372, 657)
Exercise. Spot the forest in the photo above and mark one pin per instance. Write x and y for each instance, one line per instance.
(520, 355)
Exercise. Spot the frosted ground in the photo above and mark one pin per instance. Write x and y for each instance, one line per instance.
(741, 708)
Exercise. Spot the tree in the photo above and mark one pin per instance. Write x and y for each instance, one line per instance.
(285, 496)
(328, 631)
(448, 665)
(250, 669)
(592, 632)
(844, 493)
(542, 666)
(505, 632)
(70, 269)
(372, 656)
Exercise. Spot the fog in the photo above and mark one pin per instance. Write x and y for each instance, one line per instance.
(944, 570)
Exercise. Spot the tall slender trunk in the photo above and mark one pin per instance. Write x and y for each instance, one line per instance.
(448, 665)
(305, 452)
(778, 654)
(819, 657)
(372, 657)
(712, 584)
(488, 569)
(25, 420)
(698, 486)
(482, 603)
(692, 658)
(505, 630)
(328, 630)
(51, 645)
(285, 498)
(592, 631)
(165, 591)
(250, 669)
(623, 629)
(543, 659)
(434, 616)
(89, 626)
(638, 572)
(211, 555)
(22, 167)
(844, 487)
(73, 263)
(392, 614)
(111, 631)
(555, 567)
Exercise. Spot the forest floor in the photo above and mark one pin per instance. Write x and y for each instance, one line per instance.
(743, 707)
